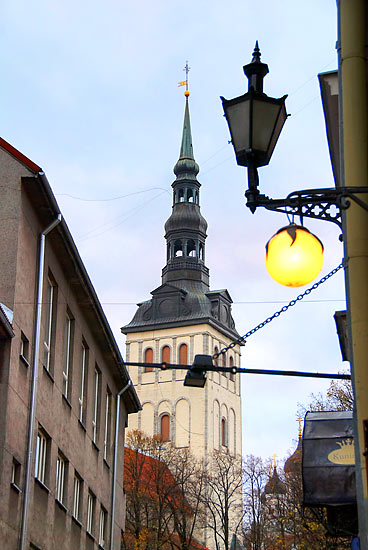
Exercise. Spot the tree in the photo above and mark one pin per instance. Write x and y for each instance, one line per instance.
(255, 479)
(223, 497)
(274, 515)
(339, 397)
(189, 476)
(163, 488)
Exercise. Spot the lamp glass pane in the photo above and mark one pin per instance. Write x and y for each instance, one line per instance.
(264, 119)
(238, 120)
(282, 116)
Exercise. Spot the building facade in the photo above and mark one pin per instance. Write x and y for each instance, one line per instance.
(60, 375)
(184, 318)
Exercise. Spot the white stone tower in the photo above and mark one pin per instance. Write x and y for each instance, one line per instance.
(184, 318)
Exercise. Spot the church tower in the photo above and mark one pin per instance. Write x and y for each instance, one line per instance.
(184, 318)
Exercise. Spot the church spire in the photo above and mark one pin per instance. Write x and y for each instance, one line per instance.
(185, 230)
(186, 167)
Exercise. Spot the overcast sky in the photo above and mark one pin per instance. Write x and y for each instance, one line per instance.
(89, 92)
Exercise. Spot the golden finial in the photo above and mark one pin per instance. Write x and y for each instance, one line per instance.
(300, 426)
(274, 456)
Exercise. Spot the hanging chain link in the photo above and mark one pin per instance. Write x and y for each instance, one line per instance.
(242, 339)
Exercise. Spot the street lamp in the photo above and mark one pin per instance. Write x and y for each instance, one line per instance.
(196, 375)
(255, 121)
(294, 256)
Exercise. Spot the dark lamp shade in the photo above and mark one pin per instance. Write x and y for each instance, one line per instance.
(294, 256)
(255, 123)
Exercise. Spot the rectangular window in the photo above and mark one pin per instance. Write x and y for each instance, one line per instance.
(15, 473)
(68, 355)
(90, 512)
(60, 478)
(50, 312)
(41, 457)
(83, 384)
(102, 527)
(24, 349)
(77, 493)
(107, 437)
(96, 405)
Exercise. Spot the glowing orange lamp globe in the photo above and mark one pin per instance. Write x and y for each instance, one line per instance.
(294, 256)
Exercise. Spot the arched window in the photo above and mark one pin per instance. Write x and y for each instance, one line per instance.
(201, 251)
(231, 363)
(148, 358)
(178, 249)
(191, 248)
(183, 354)
(190, 197)
(165, 354)
(223, 432)
(223, 362)
(165, 427)
(215, 361)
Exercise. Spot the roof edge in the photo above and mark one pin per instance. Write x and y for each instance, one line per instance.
(19, 156)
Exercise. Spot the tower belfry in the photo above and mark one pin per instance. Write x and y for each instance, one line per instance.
(183, 318)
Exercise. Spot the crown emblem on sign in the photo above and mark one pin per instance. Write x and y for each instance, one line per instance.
(344, 443)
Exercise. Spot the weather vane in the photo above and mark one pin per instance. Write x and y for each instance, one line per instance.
(185, 82)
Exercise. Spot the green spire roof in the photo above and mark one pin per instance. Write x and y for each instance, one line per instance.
(186, 167)
(186, 150)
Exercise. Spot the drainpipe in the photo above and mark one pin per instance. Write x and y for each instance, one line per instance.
(116, 445)
(36, 354)
(354, 117)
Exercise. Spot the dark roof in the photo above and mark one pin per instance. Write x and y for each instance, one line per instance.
(275, 486)
(171, 306)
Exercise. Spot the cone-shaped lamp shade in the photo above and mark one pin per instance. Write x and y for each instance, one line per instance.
(294, 256)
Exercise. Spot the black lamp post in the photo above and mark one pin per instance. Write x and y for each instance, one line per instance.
(255, 121)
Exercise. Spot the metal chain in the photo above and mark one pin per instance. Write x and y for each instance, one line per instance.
(242, 339)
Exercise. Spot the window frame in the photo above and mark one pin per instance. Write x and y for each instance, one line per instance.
(77, 494)
(102, 527)
(83, 384)
(91, 499)
(96, 405)
(224, 430)
(163, 352)
(49, 323)
(108, 416)
(24, 348)
(41, 457)
(61, 478)
(149, 349)
(183, 361)
(162, 417)
(68, 354)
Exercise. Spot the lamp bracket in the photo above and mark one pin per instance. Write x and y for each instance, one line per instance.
(322, 204)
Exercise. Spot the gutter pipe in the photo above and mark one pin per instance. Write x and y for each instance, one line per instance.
(36, 354)
(116, 445)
